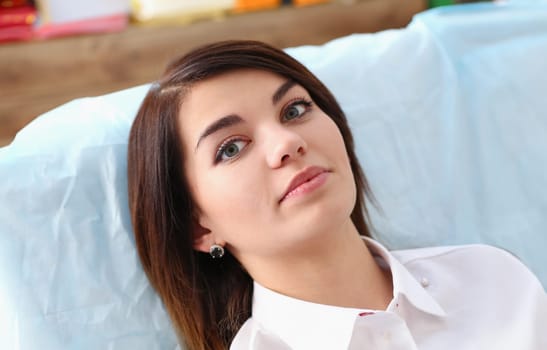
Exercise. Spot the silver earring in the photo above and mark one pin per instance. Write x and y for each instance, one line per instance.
(216, 251)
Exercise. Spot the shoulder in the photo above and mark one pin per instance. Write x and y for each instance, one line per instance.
(251, 336)
(469, 251)
(472, 263)
(243, 337)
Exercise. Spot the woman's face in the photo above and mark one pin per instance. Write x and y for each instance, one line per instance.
(267, 168)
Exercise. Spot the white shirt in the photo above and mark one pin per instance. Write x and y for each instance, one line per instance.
(456, 297)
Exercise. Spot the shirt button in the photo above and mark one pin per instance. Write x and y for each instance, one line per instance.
(424, 282)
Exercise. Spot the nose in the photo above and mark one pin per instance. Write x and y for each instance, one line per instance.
(284, 145)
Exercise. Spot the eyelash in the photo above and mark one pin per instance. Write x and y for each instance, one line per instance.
(294, 102)
(224, 146)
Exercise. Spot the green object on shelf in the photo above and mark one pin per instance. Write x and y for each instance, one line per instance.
(437, 3)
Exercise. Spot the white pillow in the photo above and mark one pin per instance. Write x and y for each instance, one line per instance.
(449, 120)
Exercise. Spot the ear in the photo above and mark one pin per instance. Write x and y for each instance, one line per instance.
(203, 237)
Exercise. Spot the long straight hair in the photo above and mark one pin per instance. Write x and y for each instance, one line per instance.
(208, 301)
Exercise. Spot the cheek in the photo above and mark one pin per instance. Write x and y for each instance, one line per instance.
(234, 206)
(229, 194)
(335, 147)
(331, 140)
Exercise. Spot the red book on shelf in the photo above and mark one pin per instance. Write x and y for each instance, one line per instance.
(13, 3)
(16, 32)
(17, 23)
(23, 15)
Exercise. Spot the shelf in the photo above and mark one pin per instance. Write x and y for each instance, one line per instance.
(40, 75)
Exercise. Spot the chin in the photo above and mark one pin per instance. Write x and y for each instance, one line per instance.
(333, 210)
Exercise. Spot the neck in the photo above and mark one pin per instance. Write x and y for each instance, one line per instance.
(338, 270)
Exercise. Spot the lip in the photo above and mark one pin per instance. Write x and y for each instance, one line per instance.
(304, 177)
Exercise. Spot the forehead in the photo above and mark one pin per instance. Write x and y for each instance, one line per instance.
(232, 92)
(234, 83)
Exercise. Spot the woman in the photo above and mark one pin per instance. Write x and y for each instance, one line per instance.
(248, 207)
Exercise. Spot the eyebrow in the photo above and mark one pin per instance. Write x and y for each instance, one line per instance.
(220, 124)
(282, 90)
(234, 119)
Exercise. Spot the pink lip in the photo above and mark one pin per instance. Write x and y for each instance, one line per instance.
(305, 181)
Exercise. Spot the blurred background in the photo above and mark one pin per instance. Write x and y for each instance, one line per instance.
(53, 51)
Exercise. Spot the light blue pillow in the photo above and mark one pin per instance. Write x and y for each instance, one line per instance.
(449, 120)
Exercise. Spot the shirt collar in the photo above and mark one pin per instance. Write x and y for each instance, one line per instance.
(404, 283)
(287, 317)
(333, 325)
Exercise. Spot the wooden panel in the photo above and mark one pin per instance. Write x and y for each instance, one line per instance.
(38, 76)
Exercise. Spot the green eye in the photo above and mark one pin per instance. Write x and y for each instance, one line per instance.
(230, 149)
(295, 111)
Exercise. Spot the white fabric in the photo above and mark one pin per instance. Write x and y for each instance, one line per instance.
(459, 297)
(449, 120)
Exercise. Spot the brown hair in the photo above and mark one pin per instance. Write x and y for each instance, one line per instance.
(207, 300)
